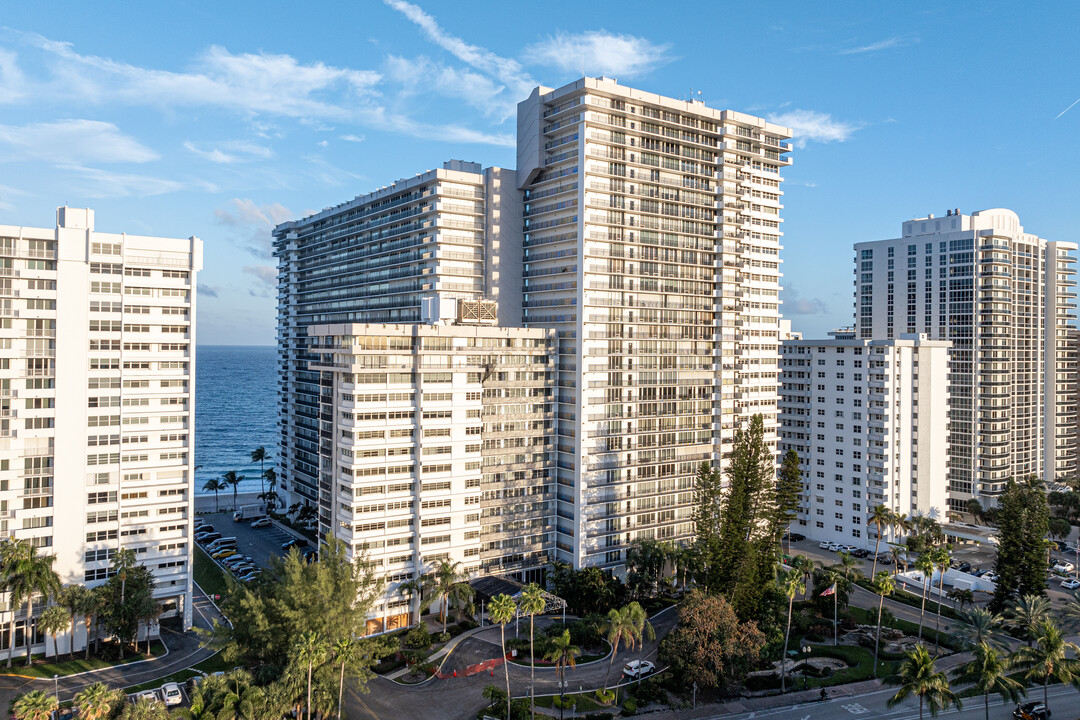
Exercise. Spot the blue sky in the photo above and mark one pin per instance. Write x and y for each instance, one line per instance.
(221, 119)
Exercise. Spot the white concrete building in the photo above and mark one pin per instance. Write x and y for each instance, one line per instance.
(408, 252)
(866, 418)
(652, 241)
(97, 372)
(437, 444)
(1006, 301)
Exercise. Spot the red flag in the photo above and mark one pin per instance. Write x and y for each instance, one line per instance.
(830, 591)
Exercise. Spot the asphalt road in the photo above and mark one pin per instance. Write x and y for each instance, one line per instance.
(1063, 701)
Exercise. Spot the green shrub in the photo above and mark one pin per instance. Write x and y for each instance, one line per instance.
(418, 637)
(444, 637)
(629, 707)
(649, 691)
(605, 696)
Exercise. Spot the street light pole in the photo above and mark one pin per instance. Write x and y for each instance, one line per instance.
(56, 689)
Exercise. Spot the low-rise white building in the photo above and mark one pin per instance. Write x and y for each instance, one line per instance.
(97, 375)
(868, 419)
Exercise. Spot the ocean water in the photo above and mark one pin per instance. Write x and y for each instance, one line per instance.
(235, 411)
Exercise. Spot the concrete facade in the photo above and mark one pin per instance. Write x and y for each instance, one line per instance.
(1005, 299)
(866, 418)
(97, 337)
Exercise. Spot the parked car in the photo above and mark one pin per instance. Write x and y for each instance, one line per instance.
(795, 537)
(824, 544)
(861, 553)
(885, 559)
(171, 693)
(1064, 566)
(222, 554)
(847, 548)
(1070, 584)
(991, 576)
(291, 543)
(207, 537)
(638, 668)
(262, 523)
(1031, 711)
(250, 576)
(310, 554)
(964, 567)
(203, 527)
(148, 695)
(834, 547)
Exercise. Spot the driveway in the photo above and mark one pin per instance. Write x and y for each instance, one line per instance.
(461, 697)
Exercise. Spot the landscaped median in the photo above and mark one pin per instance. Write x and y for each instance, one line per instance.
(208, 574)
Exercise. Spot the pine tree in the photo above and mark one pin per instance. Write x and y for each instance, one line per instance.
(708, 497)
(788, 489)
(1022, 519)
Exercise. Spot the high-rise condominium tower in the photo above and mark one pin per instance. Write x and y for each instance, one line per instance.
(1004, 298)
(652, 241)
(410, 252)
(97, 371)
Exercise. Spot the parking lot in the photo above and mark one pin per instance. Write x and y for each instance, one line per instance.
(259, 543)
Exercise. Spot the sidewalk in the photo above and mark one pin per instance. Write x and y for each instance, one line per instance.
(440, 654)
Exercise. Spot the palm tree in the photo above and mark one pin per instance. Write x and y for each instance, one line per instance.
(1028, 614)
(628, 626)
(215, 486)
(980, 626)
(988, 672)
(34, 705)
(144, 709)
(1046, 660)
(97, 701)
(502, 610)
(98, 602)
(883, 585)
(563, 654)
(961, 598)
(310, 650)
(917, 676)
(231, 479)
(76, 599)
(880, 517)
(39, 578)
(53, 620)
(13, 580)
(941, 558)
(532, 602)
(123, 561)
(346, 651)
(901, 523)
(259, 455)
(805, 567)
(925, 565)
(792, 584)
(271, 498)
(418, 588)
(451, 585)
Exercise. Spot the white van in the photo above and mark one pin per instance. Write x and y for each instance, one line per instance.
(222, 544)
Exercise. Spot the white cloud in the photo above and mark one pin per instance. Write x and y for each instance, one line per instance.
(106, 184)
(599, 52)
(72, 141)
(792, 304)
(248, 82)
(507, 71)
(254, 223)
(12, 83)
(353, 138)
(810, 125)
(876, 46)
(232, 151)
(421, 75)
(264, 273)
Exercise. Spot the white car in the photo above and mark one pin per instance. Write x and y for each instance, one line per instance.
(1064, 567)
(638, 668)
(835, 547)
(1070, 584)
(824, 544)
(262, 522)
(847, 548)
(147, 695)
(172, 694)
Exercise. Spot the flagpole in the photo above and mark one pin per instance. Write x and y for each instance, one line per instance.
(836, 604)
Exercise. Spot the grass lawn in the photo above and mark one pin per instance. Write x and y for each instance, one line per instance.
(585, 702)
(78, 665)
(211, 578)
